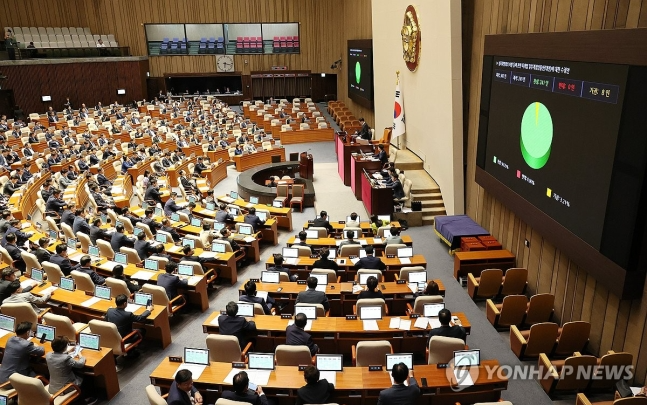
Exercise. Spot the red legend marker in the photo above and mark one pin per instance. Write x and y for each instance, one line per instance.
(518, 174)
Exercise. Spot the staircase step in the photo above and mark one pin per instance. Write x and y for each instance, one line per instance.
(432, 204)
(426, 196)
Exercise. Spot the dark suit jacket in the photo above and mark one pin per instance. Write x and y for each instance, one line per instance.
(323, 224)
(365, 132)
(96, 278)
(370, 294)
(236, 326)
(254, 221)
(296, 336)
(178, 397)
(68, 217)
(62, 262)
(124, 319)
(400, 394)
(118, 240)
(398, 191)
(325, 264)
(170, 207)
(311, 296)
(42, 255)
(370, 262)
(317, 393)
(81, 225)
(172, 231)
(257, 300)
(143, 248)
(153, 194)
(249, 397)
(152, 225)
(448, 331)
(98, 233)
(171, 283)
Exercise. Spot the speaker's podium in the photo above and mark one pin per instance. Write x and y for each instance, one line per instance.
(306, 168)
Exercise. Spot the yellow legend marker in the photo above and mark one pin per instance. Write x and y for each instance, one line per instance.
(549, 192)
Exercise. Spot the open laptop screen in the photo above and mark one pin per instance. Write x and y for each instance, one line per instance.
(121, 258)
(150, 264)
(330, 362)
(431, 310)
(405, 252)
(143, 298)
(8, 323)
(260, 361)
(185, 269)
(309, 311)
(89, 341)
(67, 283)
(102, 292)
(467, 358)
(312, 234)
(48, 331)
(363, 277)
(290, 252)
(322, 279)
(196, 356)
(245, 309)
(370, 312)
(397, 358)
(270, 276)
(418, 277)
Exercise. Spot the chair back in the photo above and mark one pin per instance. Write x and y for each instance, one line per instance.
(441, 349)
(574, 338)
(380, 230)
(541, 339)
(370, 302)
(85, 241)
(392, 249)
(67, 231)
(22, 311)
(321, 231)
(372, 352)
(332, 275)
(159, 295)
(109, 335)
(287, 355)
(53, 272)
(489, 283)
(154, 398)
(608, 380)
(304, 251)
(540, 309)
(404, 272)
(513, 310)
(377, 273)
(105, 249)
(131, 255)
(282, 191)
(421, 300)
(6, 257)
(63, 325)
(128, 226)
(515, 281)
(575, 381)
(147, 230)
(117, 287)
(31, 262)
(30, 390)
(196, 239)
(297, 190)
(51, 224)
(83, 281)
(113, 215)
(225, 401)
(223, 348)
(197, 267)
(321, 312)
(349, 250)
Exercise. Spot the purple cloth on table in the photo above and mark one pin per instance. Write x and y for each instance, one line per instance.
(454, 227)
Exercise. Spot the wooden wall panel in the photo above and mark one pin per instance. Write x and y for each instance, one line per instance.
(83, 82)
(36, 13)
(617, 325)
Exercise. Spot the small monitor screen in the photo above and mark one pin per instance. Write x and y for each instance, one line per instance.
(104, 218)
(121, 258)
(217, 226)
(93, 251)
(52, 234)
(290, 252)
(363, 277)
(218, 248)
(253, 200)
(161, 238)
(185, 269)
(245, 230)
(312, 234)
(8, 323)
(196, 222)
(210, 206)
(89, 341)
(37, 275)
(233, 211)
(322, 279)
(348, 219)
(71, 243)
(418, 277)
(144, 205)
(431, 310)
(308, 310)
(143, 298)
(196, 356)
(48, 331)
(270, 276)
(405, 252)
(137, 231)
(175, 217)
(191, 199)
(261, 215)
(467, 358)
(330, 362)
(260, 361)
(150, 264)
(190, 242)
(356, 234)
(397, 358)
(3, 400)
(233, 195)
(102, 292)
(121, 92)
(245, 309)
(386, 218)
(46, 98)
(158, 212)
(118, 223)
(277, 204)
(370, 312)
(67, 283)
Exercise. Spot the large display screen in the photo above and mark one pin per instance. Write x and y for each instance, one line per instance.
(551, 136)
(360, 72)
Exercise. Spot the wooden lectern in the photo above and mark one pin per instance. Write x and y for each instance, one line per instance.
(306, 170)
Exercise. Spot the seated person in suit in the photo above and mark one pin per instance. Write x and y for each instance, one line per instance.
(55, 203)
(323, 262)
(182, 391)
(148, 220)
(143, 247)
(97, 233)
(400, 394)
(84, 267)
(60, 259)
(371, 289)
(312, 296)
(253, 219)
(250, 296)
(189, 256)
(370, 261)
(18, 351)
(124, 319)
(153, 193)
(365, 131)
(238, 326)
(354, 222)
(278, 266)
(41, 253)
(118, 239)
(14, 251)
(431, 289)
(242, 393)
(398, 191)
(171, 281)
(80, 223)
(295, 334)
(303, 236)
(395, 236)
(222, 215)
(456, 331)
(17, 296)
(381, 154)
(118, 274)
(62, 366)
(350, 240)
(322, 222)
(315, 391)
(166, 227)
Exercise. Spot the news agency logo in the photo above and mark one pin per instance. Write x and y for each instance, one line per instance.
(461, 376)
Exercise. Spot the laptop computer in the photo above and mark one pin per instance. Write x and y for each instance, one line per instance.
(261, 215)
(291, 255)
(144, 299)
(322, 279)
(36, 275)
(196, 222)
(185, 270)
(397, 358)
(161, 238)
(309, 311)
(467, 358)
(94, 251)
(175, 217)
(431, 310)
(386, 218)
(310, 234)
(137, 231)
(217, 226)
(48, 331)
(418, 277)
(121, 258)
(210, 206)
(245, 229)
(363, 277)
(233, 211)
(102, 292)
(158, 212)
(329, 362)
(71, 245)
(270, 276)
(260, 361)
(406, 252)
(253, 200)
(277, 204)
(89, 341)
(52, 234)
(150, 264)
(67, 283)
(8, 323)
(245, 309)
(190, 242)
(196, 356)
(218, 248)
(370, 312)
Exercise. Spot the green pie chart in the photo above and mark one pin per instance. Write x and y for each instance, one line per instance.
(358, 72)
(536, 135)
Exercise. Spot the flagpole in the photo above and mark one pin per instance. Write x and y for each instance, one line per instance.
(397, 82)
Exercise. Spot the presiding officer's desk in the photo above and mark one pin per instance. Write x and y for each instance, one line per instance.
(347, 271)
(337, 334)
(341, 296)
(353, 386)
(100, 364)
(339, 227)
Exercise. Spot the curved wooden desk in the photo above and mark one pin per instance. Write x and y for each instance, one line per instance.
(247, 161)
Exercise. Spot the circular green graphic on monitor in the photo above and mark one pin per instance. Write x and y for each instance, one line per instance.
(536, 135)
(358, 72)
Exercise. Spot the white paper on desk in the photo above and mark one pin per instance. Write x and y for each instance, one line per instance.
(48, 290)
(193, 280)
(4, 332)
(354, 260)
(377, 241)
(634, 390)
(404, 260)
(143, 275)
(207, 212)
(292, 261)
(463, 377)
(174, 249)
(308, 324)
(215, 321)
(262, 294)
(362, 241)
(370, 325)
(108, 265)
(28, 283)
(405, 324)
(330, 376)
(90, 302)
(421, 322)
(132, 307)
(434, 322)
(195, 369)
(208, 255)
(249, 239)
(25, 225)
(394, 323)
(76, 256)
(413, 287)
(357, 288)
